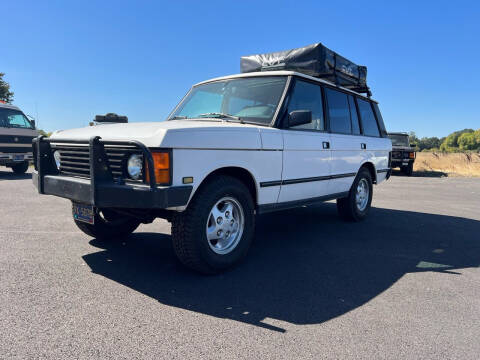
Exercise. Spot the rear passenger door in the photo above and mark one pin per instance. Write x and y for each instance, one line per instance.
(306, 155)
(346, 140)
(376, 149)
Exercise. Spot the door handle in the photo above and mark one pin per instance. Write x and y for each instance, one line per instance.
(363, 146)
(326, 145)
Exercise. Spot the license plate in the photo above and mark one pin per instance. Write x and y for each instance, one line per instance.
(17, 157)
(405, 163)
(84, 213)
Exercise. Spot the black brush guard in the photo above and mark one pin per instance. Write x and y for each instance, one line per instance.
(101, 190)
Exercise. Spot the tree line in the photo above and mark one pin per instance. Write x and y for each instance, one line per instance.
(463, 140)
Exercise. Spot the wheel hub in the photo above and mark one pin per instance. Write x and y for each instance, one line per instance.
(362, 194)
(225, 225)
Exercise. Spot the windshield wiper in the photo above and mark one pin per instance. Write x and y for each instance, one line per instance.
(178, 117)
(221, 116)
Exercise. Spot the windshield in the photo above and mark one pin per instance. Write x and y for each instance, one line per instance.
(399, 140)
(252, 100)
(11, 118)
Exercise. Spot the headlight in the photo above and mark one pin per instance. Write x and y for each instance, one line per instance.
(134, 166)
(56, 156)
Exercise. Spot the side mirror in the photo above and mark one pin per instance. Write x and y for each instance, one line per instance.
(299, 117)
(413, 145)
(33, 124)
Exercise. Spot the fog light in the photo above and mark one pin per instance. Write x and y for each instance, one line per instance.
(134, 166)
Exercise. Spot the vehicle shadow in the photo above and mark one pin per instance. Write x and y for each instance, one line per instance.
(306, 266)
(432, 174)
(7, 174)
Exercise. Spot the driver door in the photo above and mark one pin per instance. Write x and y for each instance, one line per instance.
(306, 155)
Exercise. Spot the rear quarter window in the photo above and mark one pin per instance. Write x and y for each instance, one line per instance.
(369, 122)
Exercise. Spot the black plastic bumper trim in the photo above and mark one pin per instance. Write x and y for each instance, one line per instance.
(114, 195)
(304, 180)
(266, 208)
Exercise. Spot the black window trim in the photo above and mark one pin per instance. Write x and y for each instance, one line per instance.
(280, 120)
(351, 117)
(362, 133)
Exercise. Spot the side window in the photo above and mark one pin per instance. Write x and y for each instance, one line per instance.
(381, 124)
(369, 122)
(354, 116)
(338, 112)
(308, 96)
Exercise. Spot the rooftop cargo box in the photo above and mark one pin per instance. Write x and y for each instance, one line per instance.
(315, 60)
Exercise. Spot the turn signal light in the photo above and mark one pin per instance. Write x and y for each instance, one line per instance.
(161, 167)
(411, 155)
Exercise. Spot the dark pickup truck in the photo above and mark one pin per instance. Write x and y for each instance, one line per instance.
(403, 153)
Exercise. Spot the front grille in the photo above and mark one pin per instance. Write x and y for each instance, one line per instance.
(75, 159)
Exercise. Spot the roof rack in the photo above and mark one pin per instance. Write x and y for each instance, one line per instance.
(315, 60)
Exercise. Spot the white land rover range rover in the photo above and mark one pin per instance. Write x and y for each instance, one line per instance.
(234, 147)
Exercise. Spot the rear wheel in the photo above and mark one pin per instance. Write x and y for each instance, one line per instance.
(20, 168)
(216, 230)
(109, 225)
(356, 205)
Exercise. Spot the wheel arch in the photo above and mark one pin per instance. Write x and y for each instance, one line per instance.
(238, 172)
(371, 168)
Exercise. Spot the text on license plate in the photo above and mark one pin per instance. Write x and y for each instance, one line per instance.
(83, 212)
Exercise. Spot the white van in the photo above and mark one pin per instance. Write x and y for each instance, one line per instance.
(16, 135)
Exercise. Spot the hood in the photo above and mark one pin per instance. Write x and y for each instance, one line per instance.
(174, 134)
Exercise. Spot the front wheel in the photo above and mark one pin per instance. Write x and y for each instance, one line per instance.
(20, 168)
(356, 205)
(408, 170)
(108, 225)
(216, 230)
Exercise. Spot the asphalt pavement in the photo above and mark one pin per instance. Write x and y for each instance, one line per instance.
(405, 283)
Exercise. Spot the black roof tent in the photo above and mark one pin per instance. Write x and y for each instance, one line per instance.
(315, 60)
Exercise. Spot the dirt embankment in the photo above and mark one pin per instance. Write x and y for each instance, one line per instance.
(458, 164)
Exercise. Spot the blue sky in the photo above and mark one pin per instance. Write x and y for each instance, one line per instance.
(69, 60)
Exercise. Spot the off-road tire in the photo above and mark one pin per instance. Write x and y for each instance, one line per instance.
(20, 168)
(189, 227)
(117, 228)
(347, 207)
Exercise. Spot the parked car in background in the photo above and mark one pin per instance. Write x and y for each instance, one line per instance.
(234, 147)
(403, 153)
(16, 135)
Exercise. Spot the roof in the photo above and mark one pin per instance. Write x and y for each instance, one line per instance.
(9, 106)
(282, 73)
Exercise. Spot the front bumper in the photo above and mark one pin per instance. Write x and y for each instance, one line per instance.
(100, 189)
(14, 158)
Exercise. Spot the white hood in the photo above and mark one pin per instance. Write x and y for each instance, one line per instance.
(175, 134)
